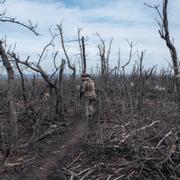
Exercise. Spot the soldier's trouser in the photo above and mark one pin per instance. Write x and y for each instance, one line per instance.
(88, 104)
(92, 101)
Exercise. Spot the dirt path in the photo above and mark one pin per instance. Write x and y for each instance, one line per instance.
(50, 167)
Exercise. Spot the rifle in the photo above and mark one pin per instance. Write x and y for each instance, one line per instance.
(81, 95)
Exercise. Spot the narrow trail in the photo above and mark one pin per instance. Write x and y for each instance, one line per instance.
(50, 167)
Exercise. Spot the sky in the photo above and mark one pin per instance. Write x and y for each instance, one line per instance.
(121, 19)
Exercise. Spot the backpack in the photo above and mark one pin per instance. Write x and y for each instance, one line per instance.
(89, 86)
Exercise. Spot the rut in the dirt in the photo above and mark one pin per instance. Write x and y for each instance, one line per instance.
(50, 167)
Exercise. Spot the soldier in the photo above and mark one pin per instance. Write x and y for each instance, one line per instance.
(87, 94)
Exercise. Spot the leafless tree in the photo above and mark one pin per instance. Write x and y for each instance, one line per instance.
(80, 48)
(54, 81)
(59, 101)
(143, 75)
(72, 67)
(12, 130)
(104, 55)
(10, 74)
(84, 54)
(165, 35)
(141, 83)
(22, 83)
(81, 41)
(131, 45)
(119, 62)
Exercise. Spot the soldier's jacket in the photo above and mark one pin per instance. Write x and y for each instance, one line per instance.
(88, 89)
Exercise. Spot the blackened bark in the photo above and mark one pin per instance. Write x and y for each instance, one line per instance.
(166, 36)
(84, 55)
(12, 130)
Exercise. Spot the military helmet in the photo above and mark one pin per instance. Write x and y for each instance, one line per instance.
(85, 75)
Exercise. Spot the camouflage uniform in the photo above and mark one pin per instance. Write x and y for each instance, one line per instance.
(88, 95)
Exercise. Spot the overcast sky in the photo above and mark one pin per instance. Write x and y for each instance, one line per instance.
(120, 19)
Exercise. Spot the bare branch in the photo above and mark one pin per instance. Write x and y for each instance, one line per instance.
(149, 72)
(130, 54)
(64, 49)
(109, 50)
(156, 7)
(36, 68)
(29, 26)
(45, 49)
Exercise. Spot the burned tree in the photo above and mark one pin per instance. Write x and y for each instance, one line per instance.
(104, 55)
(22, 83)
(84, 54)
(165, 35)
(81, 42)
(131, 45)
(59, 91)
(12, 130)
(143, 76)
(72, 67)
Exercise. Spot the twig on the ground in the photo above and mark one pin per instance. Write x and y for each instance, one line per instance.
(76, 159)
(71, 173)
(168, 134)
(87, 174)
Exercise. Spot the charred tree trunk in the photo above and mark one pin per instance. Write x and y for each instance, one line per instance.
(104, 57)
(22, 84)
(59, 92)
(80, 49)
(141, 83)
(84, 54)
(164, 33)
(72, 67)
(12, 130)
